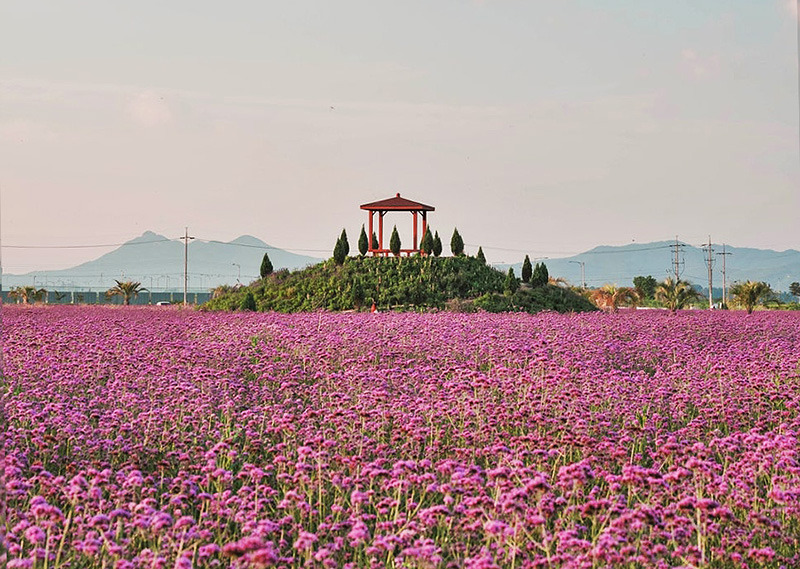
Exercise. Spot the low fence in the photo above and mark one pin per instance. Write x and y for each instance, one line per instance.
(99, 297)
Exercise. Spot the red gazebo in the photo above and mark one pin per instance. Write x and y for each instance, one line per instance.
(396, 203)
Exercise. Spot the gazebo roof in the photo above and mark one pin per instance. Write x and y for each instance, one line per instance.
(397, 204)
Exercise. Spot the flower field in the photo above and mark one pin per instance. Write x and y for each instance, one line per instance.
(173, 439)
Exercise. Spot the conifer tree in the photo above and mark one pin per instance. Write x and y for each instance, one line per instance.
(339, 254)
(456, 244)
(363, 244)
(394, 242)
(527, 270)
(437, 244)
(266, 266)
(540, 275)
(536, 275)
(511, 284)
(426, 245)
(375, 242)
(480, 256)
(345, 244)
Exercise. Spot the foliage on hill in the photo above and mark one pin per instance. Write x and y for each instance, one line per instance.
(396, 283)
(536, 299)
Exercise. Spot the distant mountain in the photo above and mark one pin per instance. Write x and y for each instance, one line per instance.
(619, 265)
(157, 262)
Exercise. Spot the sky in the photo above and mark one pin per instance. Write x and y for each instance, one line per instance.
(541, 127)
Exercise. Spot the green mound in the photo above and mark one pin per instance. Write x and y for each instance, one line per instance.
(396, 283)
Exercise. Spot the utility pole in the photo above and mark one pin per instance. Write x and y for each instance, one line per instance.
(583, 273)
(724, 280)
(676, 260)
(186, 239)
(710, 264)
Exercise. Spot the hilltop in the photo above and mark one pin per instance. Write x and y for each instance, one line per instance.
(458, 283)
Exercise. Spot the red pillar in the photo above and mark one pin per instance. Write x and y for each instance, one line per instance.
(414, 213)
(380, 230)
(369, 237)
(424, 222)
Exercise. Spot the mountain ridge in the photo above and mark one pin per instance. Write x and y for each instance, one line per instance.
(157, 261)
(619, 264)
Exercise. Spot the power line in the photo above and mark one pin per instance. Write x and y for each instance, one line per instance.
(165, 240)
(620, 251)
(265, 246)
(677, 261)
(575, 252)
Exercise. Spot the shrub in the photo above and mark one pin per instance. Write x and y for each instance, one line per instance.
(249, 302)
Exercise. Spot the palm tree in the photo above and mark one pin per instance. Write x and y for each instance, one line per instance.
(127, 290)
(21, 293)
(559, 282)
(675, 294)
(794, 289)
(749, 294)
(27, 294)
(610, 297)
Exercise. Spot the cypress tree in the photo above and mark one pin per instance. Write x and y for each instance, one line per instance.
(511, 284)
(540, 275)
(527, 270)
(266, 266)
(345, 244)
(339, 254)
(456, 243)
(426, 245)
(394, 242)
(437, 244)
(375, 242)
(535, 276)
(480, 256)
(363, 244)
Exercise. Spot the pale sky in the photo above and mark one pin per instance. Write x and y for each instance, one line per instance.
(544, 127)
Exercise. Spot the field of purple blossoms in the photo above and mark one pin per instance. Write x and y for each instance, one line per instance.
(163, 438)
